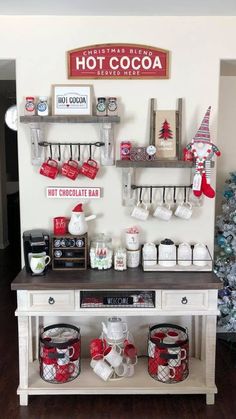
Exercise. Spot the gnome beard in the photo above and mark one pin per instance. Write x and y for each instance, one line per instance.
(203, 151)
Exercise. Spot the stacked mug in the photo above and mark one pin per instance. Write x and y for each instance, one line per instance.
(168, 353)
(60, 347)
(132, 247)
(114, 354)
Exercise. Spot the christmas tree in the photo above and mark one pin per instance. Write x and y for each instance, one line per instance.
(225, 256)
(166, 132)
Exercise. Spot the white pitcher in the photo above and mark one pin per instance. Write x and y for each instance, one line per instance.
(78, 222)
(115, 328)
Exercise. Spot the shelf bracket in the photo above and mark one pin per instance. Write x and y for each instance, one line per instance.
(37, 135)
(108, 151)
(128, 194)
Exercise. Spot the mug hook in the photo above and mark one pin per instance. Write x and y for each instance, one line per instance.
(78, 152)
(50, 148)
(140, 195)
(90, 151)
(150, 187)
(164, 193)
(59, 152)
(174, 194)
(71, 153)
(185, 193)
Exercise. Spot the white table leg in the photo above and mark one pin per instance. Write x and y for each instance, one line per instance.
(23, 340)
(23, 399)
(210, 352)
(210, 398)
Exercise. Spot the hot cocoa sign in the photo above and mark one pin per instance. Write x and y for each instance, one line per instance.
(119, 61)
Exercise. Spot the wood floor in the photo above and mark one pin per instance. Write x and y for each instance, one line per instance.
(101, 407)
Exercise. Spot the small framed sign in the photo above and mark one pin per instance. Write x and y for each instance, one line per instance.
(71, 99)
(165, 138)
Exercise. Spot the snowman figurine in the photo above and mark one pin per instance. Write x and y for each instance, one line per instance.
(78, 222)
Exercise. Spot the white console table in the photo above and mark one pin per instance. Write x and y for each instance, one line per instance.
(192, 294)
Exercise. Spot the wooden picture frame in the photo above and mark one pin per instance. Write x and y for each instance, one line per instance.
(71, 99)
(166, 132)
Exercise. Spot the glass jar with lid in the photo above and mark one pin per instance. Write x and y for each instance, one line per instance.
(112, 108)
(101, 106)
(42, 106)
(101, 252)
(30, 105)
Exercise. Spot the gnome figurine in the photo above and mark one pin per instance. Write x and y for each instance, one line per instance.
(203, 151)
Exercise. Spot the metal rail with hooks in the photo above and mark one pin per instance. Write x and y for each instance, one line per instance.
(71, 145)
(164, 187)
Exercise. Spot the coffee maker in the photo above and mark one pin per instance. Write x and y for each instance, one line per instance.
(35, 241)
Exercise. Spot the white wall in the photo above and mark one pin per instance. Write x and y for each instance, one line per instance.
(197, 44)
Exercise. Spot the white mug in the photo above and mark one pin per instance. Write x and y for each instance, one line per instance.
(38, 263)
(49, 371)
(122, 370)
(66, 355)
(164, 373)
(151, 349)
(103, 370)
(133, 258)
(180, 353)
(173, 335)
(163, 212)
(184, 211)
(140, 212)
(112, 356)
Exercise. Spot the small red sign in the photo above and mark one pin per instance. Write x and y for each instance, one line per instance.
(118, 61)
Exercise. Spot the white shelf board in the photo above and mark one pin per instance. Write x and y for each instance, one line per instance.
(141, 383)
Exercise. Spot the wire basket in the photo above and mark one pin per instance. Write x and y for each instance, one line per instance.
(60, 348)
(168, 353)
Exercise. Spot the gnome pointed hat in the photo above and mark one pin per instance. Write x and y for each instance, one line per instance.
(203, 133)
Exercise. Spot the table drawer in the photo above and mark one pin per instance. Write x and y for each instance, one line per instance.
(51, 300)
(185, 300)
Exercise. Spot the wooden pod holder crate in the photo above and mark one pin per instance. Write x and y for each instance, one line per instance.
(69, 253)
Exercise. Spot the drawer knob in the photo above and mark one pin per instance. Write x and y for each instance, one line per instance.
(184, 300)
(51, 300)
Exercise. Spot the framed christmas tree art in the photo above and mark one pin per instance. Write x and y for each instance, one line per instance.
(166, 134)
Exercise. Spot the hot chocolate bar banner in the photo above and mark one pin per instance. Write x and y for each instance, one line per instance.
(64, 192)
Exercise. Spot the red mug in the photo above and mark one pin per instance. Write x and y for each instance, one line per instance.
(49, 355)
(60, 225)
(152, 366)
(96, 347)
(158, 337)
(130, 351)
(70, 169)
(64, 372)
(76, 353)
(49, 168)
(158, 356)
(89, 168)
(179, 371)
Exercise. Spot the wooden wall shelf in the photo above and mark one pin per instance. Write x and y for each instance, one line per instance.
(72, 119)
(154, 163)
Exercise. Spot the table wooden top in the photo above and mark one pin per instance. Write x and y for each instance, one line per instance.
(115, 280)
